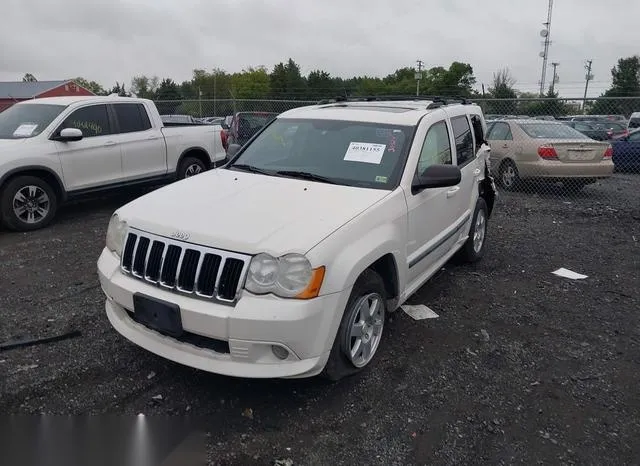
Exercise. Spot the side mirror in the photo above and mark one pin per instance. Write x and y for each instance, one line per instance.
(233, 149)
(436, 176)
(224, 125)
(70, 134)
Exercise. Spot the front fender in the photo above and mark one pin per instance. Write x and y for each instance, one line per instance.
(353, 248)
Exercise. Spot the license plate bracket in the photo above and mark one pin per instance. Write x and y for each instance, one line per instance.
(157, 314)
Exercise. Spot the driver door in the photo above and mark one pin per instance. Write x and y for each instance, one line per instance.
(96, 159)
(431, 212)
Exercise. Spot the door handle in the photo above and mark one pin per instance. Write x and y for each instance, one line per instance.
(476, 172)
(110, 143)
(453, 191)
(505, 146)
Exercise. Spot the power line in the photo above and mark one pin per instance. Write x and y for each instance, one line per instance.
(555, 76)
(588, 78)
(418, 76)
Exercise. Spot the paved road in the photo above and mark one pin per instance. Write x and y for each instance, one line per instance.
(521, 366)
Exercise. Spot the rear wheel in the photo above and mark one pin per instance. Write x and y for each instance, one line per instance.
(509, 177)
(473, 249)
(27, 203)
(360, 331)
(190, 166)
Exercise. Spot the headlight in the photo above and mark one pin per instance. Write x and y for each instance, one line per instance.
(288, 276)
(115, 235)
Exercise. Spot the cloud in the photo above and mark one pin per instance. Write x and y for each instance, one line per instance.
(111, 41)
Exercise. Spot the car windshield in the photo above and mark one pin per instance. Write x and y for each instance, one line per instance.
(350, 153)
(551, 131)
(27, 120)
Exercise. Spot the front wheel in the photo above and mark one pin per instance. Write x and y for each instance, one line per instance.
(361, 328)
(27, 203)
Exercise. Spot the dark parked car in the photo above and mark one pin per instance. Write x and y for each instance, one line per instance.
(245, 124)
(626, 152)
(589, 129)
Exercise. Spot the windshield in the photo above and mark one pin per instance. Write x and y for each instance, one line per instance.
(27, 120)
(342, 152)
(551, 131)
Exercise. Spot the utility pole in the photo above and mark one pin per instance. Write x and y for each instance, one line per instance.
(418, 76)
(555, 77)
(200, 101)
(588, 78)
(546, 33)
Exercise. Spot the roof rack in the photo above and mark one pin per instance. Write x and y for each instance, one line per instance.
(436, 100)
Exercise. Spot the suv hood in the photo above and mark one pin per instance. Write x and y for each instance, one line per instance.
(249, 213)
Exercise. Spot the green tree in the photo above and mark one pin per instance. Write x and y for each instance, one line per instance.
(625, 83)
(502, 88)
(92, 86)
(320, 85)
(144, 87)
(252, 83)
(287, 82)
(29, 78)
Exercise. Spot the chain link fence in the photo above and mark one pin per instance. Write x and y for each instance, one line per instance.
(564, 148)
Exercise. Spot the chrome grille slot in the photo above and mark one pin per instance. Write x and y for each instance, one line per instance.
(184, 267)
(208, 274)
(154, 262)
(140, 257)
(187, 277)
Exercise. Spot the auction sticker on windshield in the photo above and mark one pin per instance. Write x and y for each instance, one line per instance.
(24, 130)
(365, 152)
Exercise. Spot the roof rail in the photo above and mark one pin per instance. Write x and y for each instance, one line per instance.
(437, 101)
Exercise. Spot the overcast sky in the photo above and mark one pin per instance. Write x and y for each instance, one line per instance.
(114, 40)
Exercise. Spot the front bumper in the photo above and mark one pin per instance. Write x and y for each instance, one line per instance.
(247, 331)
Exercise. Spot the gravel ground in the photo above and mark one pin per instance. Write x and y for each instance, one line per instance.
(521, 366)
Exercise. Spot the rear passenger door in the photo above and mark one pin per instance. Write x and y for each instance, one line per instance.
(501, 140)
(143, 147)
(95, 160)
(468, 159)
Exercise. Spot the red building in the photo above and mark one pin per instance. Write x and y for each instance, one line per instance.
(13, 92)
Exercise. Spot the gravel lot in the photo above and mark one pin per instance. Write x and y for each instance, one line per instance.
(521, 366)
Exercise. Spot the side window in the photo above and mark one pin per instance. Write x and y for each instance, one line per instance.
(635, 137)
(478, 132)
(582, 127)
(500, 132)
(132, 117)
(464, 139)
(436, 148)
(92, 121)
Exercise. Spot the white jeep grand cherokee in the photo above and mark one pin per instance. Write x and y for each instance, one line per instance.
(284, 262)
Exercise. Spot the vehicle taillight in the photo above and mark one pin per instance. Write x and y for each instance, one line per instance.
(224, 136)
(547, 152)
(608, 153)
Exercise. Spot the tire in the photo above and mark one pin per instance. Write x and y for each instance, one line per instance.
(473, 249)
(368, 288)
(27, 203)
(190, 166)
(508, 176)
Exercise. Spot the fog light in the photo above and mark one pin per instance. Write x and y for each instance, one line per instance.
(280, 352)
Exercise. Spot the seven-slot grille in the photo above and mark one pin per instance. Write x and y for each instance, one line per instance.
(185, 267)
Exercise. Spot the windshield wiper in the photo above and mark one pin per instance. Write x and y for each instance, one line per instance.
(251, 168)
(306, 176)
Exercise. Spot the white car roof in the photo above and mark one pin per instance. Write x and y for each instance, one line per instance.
(68, 100)
(394, 112)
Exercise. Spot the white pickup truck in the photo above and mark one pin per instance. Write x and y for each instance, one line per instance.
(330, 218)
(59, 148)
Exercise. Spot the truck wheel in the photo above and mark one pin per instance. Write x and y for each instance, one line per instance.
(27, 203)
(473, 249)
(190, 166)
(360, 330)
